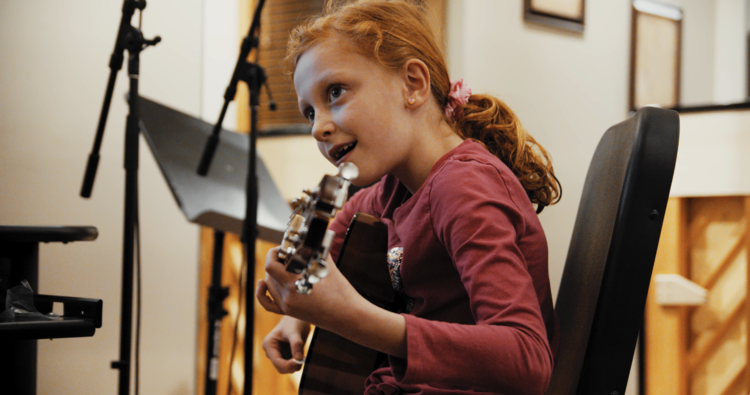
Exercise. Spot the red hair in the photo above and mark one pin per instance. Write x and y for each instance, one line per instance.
(395, 31)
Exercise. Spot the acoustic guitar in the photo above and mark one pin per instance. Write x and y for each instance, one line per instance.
(335, 365)
(307, 239)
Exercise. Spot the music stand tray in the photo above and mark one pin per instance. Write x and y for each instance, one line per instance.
(218, 199)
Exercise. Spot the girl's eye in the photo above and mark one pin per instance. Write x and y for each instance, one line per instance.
(335, 92)
(310, 114)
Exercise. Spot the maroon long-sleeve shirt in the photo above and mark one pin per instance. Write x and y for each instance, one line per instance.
(474, 264)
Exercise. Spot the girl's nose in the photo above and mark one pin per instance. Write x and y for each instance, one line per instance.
(322, 128)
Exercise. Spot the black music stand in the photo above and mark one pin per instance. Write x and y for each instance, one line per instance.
(216, 200)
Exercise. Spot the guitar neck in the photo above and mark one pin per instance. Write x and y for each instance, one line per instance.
(335, 365)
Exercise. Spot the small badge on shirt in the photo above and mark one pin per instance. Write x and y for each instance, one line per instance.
(395, 256)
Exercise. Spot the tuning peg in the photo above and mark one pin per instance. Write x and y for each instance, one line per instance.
(303, 286)
(286, 252)
(319, 269)
(297, 223)
(348, 170)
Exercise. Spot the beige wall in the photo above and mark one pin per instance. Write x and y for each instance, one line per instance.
(294, 162)
(53, 75)
(566, 88)
(713, 159)
(698, 40)
(714, 46)
(731, 51)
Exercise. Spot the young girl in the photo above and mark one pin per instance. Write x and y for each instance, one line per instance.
(455, 179)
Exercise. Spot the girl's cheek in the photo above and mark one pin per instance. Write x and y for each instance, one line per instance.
(321, 148)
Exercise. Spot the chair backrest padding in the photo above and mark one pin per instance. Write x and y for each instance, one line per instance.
(603, 290)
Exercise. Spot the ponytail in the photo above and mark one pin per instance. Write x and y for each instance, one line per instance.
(394, 32)
(490, 122)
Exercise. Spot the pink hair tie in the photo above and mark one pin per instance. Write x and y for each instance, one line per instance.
(458, 96)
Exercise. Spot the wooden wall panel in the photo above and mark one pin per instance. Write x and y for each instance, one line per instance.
(718, 262)
(702, 350)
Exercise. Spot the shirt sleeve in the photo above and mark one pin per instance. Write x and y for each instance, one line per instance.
(476, 216)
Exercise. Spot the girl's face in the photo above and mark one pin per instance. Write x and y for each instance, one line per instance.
(357, 109)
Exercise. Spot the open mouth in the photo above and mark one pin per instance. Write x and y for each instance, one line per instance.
(343, 150)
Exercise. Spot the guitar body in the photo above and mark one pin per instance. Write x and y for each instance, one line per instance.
(335, 365)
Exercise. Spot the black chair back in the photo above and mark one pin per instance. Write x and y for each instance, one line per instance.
(602, 294)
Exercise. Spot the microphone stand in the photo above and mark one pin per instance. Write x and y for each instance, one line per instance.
(216, 312)
(255, 77)
(131, 39)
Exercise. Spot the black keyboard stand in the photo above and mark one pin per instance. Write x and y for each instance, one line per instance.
(19, 256)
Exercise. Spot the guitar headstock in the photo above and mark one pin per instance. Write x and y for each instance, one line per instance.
(307, 239)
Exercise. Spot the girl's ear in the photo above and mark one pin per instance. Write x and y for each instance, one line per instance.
(416, 83)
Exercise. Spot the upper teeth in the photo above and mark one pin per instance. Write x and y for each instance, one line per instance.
(343, 149)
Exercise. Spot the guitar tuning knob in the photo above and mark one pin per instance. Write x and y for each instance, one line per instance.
(303, 286)
(302, 250)
(319, 269)
(301, 201)
(348, 171)
(286, 252)
(297, 224)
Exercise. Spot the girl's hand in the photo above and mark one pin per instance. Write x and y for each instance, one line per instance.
(284, 345)
(333, 305)
(328, 306)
